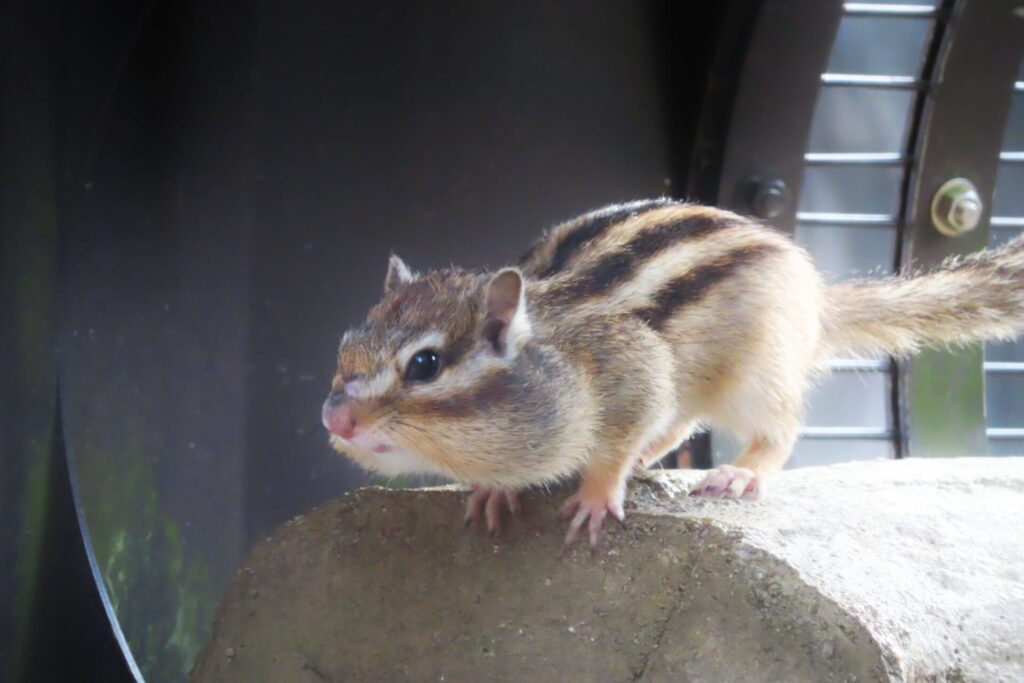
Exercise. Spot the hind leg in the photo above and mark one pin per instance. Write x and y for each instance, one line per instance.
(663, 446)
(484, 503)
(745, 478)
(764, 407)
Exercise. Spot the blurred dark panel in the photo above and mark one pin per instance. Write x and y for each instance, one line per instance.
(156, 282)
(52, 623)
(29, 196)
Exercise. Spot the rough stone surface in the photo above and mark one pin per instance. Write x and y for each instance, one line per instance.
(888, 570)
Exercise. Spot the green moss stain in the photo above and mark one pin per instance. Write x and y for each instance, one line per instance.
(163, 594)
(947, 404)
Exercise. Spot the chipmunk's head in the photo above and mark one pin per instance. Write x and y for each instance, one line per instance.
(436, 379)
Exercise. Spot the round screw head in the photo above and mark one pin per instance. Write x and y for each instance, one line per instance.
(966, 212)
(956, 207)
(770, 199)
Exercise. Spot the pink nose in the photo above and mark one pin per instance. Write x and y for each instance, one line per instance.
(338, 418)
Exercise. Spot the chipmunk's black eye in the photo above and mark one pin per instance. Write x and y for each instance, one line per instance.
(423, 367)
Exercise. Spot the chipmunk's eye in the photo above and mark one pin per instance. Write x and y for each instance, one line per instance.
(423, 367)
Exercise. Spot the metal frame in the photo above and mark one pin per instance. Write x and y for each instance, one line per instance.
(956, 130)
(773, 105)
(959, 134)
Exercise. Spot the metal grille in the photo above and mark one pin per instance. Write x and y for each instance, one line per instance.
(1004, 363)
(849, 210)
(895, 81)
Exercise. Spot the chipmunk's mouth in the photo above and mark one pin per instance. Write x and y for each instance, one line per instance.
(362, 441)
(382, 455)
(371, 442)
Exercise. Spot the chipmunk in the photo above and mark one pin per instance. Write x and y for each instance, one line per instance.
(616, 336)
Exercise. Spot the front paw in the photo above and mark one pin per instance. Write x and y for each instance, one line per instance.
(594, 506)
(728, 481)
(489, 504)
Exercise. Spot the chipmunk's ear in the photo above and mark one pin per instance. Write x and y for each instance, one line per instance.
(398, 274)
(507, 324)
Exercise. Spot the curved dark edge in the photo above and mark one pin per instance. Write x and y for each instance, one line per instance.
(63, 438)
(63, 625)
(936, 43)
(62, 434)
(69, 634)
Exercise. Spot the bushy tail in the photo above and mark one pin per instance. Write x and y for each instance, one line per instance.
(968, 299)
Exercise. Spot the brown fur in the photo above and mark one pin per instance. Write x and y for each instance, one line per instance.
(637, 324)
(966, 299)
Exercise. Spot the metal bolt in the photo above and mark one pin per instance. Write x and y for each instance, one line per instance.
(956, 207)
(966, 212)
(770, 198)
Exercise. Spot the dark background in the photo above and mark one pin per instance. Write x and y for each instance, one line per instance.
(198, 197)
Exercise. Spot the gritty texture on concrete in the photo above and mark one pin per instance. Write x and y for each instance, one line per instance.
(889, 570)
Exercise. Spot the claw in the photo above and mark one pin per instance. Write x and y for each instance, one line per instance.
(596, 522)
(618, 514)
(574, 527)
(487, 505)
(592, 511)
(475, 505)
(513, 503)
(572, 503)
(493, 512)
(730, 482)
